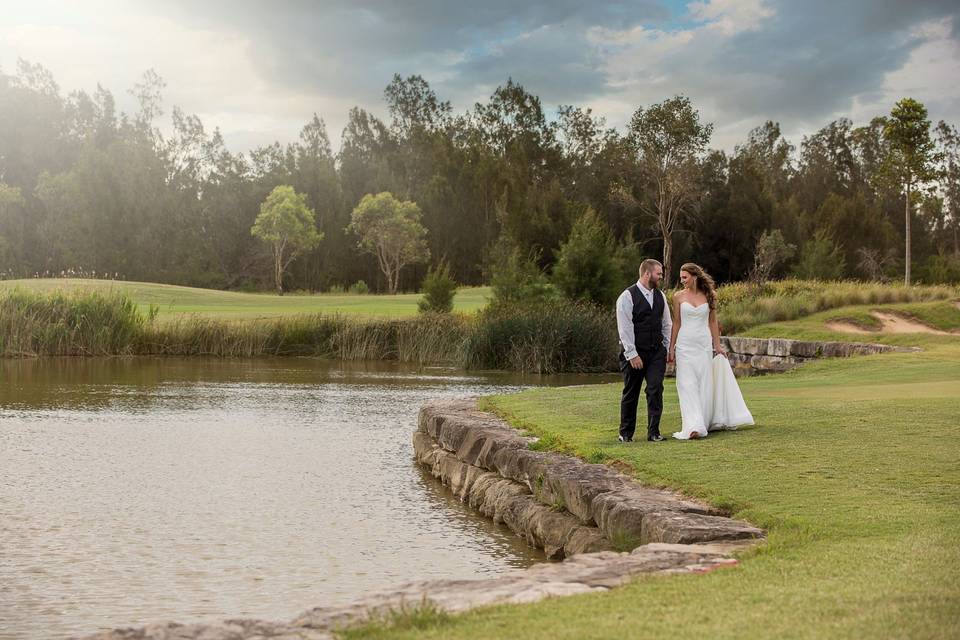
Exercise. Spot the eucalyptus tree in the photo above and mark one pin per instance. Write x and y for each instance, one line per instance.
(668, 139)
(286, 225)
(391, 230)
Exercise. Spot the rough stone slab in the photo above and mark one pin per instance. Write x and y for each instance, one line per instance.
(690, 528)
(575, 485)
(773, 363)
(748, 346)
(779, 347)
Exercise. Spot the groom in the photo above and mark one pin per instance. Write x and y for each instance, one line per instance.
(644, 325)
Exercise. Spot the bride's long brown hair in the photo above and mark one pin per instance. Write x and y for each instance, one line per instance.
(704, 282)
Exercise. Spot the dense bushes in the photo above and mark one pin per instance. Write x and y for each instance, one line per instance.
(545, 338)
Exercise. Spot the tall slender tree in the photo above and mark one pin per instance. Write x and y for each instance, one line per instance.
(911, 158)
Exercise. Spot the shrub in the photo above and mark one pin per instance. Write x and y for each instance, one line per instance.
(438, 290)
(359, 288)
(586, 268)
(516, 278)
(771, 252)
(820, 259)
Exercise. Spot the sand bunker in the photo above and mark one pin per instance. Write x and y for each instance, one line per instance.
(889, 323)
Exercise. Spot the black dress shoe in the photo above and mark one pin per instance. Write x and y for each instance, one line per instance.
(656, 438)
(622, 439)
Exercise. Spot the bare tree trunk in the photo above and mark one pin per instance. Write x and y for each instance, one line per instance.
(278, 272)
(667, 257)
(906, 270)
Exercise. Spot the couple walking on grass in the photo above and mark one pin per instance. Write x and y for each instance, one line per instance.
(710, 398)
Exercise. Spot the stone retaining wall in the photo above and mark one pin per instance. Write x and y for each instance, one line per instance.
(752, 356)
(560, 504)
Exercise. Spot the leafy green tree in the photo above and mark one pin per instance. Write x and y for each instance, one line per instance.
(391, 230)
(911, 158)
(438, 290)
(586, 268)
(668, 138)
(286, 224)
(820, 259)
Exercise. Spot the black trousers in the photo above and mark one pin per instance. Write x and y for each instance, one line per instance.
(653, 370)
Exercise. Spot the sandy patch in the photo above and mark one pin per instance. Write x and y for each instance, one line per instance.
(890, 323)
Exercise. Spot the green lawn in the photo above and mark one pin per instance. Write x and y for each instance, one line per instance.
(173, 300)
(854, 470)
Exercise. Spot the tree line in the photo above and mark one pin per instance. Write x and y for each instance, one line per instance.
(86, 187)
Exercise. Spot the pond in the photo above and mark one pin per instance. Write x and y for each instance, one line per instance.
(148, 489)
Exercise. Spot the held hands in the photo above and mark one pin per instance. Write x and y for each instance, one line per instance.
(671, 355)
(636, 362)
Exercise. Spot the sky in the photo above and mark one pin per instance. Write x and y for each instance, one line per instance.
(259, 70)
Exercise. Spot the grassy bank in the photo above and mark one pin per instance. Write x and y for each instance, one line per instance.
(854, 470)
(742, 305)
(173, 301)
(941, 315)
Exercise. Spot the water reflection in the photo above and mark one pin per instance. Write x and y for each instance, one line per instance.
(137, 490)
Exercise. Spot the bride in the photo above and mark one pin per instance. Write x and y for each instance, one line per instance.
(710, 398)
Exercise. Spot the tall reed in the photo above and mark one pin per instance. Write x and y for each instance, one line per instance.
(89, 323)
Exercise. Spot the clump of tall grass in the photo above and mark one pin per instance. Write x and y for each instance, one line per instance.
(547, 338)
(744, 305)
(80, 323)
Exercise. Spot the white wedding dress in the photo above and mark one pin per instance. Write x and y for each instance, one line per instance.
(710, 397)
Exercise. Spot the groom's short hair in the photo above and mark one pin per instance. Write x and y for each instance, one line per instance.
(647, 265)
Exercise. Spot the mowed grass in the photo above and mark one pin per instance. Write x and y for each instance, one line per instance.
(853, 468)
(175, 301)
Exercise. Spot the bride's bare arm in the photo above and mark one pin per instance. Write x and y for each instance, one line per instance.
(677, 299)
(715, 333)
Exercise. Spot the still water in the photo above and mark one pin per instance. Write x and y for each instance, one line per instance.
(141, 490)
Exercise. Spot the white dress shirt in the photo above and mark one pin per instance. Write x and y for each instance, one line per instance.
(625, 320)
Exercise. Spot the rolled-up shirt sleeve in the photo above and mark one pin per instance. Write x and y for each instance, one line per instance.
(625, 325)
(667, 323)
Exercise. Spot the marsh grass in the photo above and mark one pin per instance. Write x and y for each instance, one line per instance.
(97, 323)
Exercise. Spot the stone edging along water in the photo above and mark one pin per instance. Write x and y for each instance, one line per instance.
(571, 509)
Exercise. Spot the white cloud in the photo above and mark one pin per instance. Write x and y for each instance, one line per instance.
(930, 75)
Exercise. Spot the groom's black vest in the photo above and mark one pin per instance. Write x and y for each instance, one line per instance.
(647, 321)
